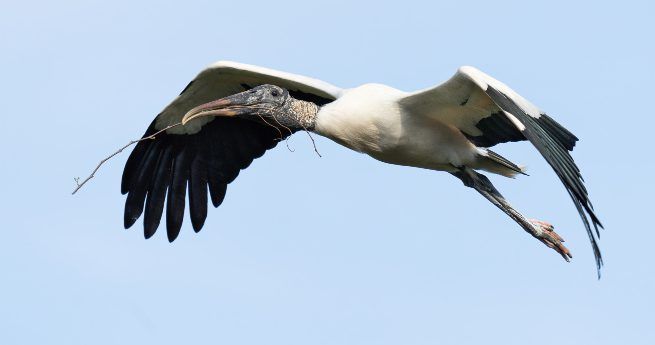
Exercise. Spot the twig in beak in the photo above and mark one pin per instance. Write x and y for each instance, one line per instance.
(312, 139)
(266, 122)
(150, 137)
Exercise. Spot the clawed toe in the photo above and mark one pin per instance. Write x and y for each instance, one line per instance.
(551, 239)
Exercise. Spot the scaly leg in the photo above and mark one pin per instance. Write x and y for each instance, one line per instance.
(544, 232)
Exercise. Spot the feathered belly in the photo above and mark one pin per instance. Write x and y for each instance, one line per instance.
(430, 145)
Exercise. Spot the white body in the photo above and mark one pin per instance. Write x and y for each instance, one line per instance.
(370, 119)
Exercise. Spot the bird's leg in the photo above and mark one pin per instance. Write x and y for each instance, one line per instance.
(545, 232)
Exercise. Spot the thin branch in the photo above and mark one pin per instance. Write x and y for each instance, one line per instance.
(286, 141)
(281, 125)
(313, 142)
(150, 137)
(277, 129)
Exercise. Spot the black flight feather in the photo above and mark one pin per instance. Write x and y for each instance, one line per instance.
(157, 194)
(554, 141)
(171, 167)
(198, 191)
(175, 200)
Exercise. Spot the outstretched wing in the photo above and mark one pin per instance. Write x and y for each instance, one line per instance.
(488, 112)
(226, 78)
(205, 155)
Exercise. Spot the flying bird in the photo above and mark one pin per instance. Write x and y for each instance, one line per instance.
(232, 113)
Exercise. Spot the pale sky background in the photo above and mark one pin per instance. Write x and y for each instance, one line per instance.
(334, 250)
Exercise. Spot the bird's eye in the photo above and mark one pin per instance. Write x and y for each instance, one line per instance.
(275, 93)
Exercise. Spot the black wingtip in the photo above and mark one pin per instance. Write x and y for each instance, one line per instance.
(197, 189)
(197, 225)
(129, 220)
(562, 135)
(148, 234)
(599, 264)
(132, 212)
(172, 236)
(217, 192)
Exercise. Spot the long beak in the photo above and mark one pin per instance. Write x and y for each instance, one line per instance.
(215, 108)
(229, 106)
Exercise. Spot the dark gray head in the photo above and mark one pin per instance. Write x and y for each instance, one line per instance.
(268, 104)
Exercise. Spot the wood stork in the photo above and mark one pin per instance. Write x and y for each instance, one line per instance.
(232, 113)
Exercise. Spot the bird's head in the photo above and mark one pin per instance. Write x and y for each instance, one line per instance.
(267, 104)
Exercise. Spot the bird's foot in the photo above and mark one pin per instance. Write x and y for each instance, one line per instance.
(550, 238)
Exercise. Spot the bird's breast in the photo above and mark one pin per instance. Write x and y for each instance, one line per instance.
(363, 127)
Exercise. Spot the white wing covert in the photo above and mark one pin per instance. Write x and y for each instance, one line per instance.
(225, 78)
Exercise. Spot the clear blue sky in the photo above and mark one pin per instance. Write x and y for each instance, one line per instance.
(334, 250)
